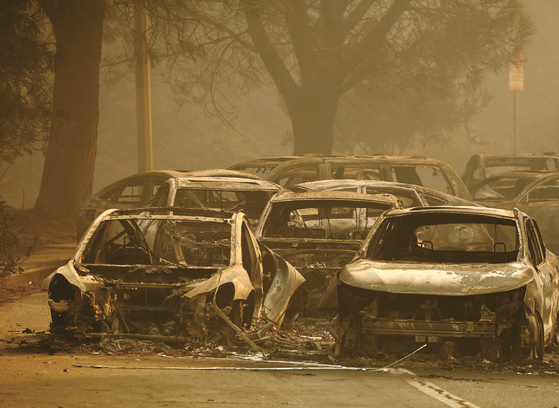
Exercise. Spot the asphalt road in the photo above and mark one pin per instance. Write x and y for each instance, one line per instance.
(36, 379)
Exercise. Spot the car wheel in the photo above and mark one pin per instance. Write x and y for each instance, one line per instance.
(58, 320)
(491, 350)
(536, 322)
(237, 313)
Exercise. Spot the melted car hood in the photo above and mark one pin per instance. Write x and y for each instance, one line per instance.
(436, 279)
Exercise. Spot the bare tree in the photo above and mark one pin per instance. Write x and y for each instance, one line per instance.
(25, 90)
(70, 155)
(407, 52)
(315, 51)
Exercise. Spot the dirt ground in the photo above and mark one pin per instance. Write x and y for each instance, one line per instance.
(39, 370)
(308, 341)
(36, 357)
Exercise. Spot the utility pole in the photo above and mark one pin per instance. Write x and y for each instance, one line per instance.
(143, 88)
(516, 83)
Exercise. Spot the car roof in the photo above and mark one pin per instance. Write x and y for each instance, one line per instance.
(533, 174)
(153, 173)
(325, 185)
(177, 213)
(267, 161)
(229, 183)
(288, 195)
(322, 185)
(223, 173)
(513, 159)
(496, 212)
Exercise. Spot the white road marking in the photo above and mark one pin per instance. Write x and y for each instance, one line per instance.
(432, 390)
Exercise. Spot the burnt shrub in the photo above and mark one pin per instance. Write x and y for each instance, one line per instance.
(10, 259)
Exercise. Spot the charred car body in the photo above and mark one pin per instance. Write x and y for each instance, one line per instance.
(423, 171)
(480, 167)
(534, 192)
(207, 279)
(220, 193)
(459, 274)
(318, 233)
(410, 195)
(135, 191)
(138, 191)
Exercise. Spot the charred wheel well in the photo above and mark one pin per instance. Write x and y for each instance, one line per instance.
(61, 289)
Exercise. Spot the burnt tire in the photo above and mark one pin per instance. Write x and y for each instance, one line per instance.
(539, 348)
(58, 320)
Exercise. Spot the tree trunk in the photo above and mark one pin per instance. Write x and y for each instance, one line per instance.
(70, 157)
(313, 113)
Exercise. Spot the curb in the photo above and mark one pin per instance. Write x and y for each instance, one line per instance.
(40, 264)
(31, 276)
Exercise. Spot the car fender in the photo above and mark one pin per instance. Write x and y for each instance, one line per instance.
(69, 274)
(235, 275)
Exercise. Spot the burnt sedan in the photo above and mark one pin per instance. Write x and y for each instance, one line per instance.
(478, 277)
(410, 195)
(221, 193)
(206, 278)
(318, 233)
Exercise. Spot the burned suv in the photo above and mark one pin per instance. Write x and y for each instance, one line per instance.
(419, 170)
(478, 277)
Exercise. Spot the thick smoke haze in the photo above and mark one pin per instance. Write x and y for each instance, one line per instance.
(185, 139)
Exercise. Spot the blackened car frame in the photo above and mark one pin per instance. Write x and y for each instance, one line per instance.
(318, 233)
(480, 166)
(137, 191)
(206, 279)
(479, 277)
(221, 193)
(420, 170)
(534, 192)
(410, 195)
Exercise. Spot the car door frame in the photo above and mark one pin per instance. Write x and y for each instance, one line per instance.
(545, 278)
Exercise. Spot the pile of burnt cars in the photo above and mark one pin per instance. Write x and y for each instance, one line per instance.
(391, 249)
(477, 277)
(204, 278)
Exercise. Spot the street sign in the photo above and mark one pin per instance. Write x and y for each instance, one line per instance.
(516, 72)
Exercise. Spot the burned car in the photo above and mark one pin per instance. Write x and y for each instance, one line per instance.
(205, 278)
(420, 170)
(478, 277)
(318, 233)
(138, 190)
(410, 195)
(534, 192)
(222, 193)
(135, 191)
(480, 166)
